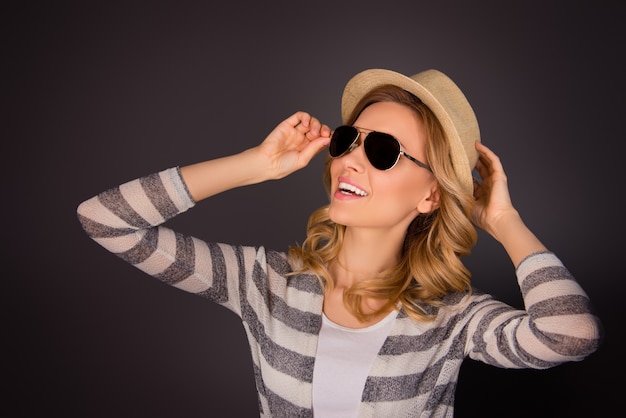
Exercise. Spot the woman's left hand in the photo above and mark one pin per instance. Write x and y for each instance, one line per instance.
(493, 201)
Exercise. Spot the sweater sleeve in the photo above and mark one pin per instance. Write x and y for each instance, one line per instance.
(558, 324)
(126, 220)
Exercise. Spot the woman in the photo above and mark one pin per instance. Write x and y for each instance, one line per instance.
(373, 314)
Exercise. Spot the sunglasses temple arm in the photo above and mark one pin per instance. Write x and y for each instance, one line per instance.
(416, 161)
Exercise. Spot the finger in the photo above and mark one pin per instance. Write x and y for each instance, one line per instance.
(482, 169)
(317, 129)
(313, 148)
(326, 131)
(484, 159)
(488, 157)
(314, 129)
(315, 123)
(300, 121)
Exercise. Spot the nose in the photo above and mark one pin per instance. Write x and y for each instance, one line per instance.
(355, 158)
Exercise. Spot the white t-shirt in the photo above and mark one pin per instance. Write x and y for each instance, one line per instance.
(342, 364)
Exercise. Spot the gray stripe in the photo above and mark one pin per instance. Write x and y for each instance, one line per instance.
(560, 305)
(156, 192)
(572, 346)
(305, 283)
(113, 200)
(143, 249)
(184, 261)
(218, 291)
(97, 230)
(278, 262)
(403, 344)
(544, 275)
(396, 388)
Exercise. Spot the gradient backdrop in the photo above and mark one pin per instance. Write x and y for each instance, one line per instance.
(97, 95)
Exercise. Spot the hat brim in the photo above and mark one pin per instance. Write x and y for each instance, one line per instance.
(445, 100)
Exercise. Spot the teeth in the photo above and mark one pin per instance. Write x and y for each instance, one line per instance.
(352, 189)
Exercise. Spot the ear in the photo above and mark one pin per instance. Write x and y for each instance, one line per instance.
(430, 202)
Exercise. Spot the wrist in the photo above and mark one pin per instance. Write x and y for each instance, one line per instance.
(256, 166)
(506, 224)
(516, 238)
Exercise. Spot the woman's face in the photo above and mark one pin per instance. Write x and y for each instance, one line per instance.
(383, 199)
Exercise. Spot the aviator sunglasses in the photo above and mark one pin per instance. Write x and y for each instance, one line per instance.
(382, 150)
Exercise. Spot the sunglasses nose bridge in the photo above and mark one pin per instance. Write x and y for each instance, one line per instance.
(355, 160)
(354, 144)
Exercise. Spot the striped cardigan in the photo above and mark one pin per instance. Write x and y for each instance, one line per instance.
(416, 370)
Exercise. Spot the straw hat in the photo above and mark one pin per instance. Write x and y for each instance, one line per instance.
(442, 96)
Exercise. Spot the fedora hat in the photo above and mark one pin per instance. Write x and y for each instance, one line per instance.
(442, 96)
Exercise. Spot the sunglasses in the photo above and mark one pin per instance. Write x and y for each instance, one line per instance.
(382, 150)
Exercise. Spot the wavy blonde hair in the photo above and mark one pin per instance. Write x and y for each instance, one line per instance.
(430, 264)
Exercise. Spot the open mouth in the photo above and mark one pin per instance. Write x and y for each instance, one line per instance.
(349, 189)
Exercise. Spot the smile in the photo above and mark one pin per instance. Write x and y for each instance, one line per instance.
(350, 189)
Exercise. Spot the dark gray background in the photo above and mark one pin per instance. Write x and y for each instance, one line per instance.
(97, 95)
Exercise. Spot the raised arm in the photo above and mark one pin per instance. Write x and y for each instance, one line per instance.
(127, 219)
(559, 324)
(289, 147)
(494, 212)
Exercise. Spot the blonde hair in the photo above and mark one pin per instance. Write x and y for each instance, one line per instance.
(434, 244)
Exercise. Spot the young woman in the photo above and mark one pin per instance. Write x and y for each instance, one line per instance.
(373, 314)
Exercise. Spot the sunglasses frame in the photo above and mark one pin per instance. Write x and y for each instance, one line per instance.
(355, 143)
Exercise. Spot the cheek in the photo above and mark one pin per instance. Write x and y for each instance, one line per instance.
(334, 172)
(406, 191)
(388, 186)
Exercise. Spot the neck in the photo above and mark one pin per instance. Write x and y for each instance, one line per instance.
(365, 254)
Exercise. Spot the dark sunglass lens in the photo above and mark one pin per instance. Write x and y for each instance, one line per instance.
(341, 140)
(382, 150)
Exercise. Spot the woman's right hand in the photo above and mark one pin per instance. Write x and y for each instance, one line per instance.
(289, 147)
(293, 143)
